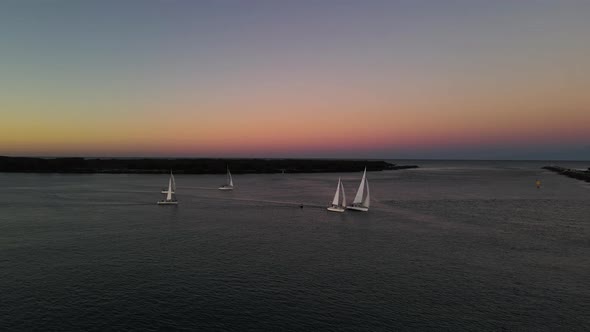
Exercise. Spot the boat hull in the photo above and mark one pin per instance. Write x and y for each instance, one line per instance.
(166, 191)
(226, 188)
(357, 208)
(335, 209)
(167, 203)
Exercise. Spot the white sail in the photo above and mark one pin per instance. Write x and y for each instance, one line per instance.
(366, 201)
(169, 192)
(362, 199)
(361, 191)
(229, 184)
(336, 195)
(336, 205)
(229, 179)
(343, 195)
(173, 182)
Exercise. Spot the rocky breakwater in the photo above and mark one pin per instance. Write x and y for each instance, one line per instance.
(583, 175)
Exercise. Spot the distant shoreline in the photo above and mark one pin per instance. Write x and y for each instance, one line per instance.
(189, 166)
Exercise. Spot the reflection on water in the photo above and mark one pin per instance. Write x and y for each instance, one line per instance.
(453, 245)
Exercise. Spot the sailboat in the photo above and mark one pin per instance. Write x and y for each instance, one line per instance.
(230, 182)
(170, 197)
(164, 191)
(362, 199)
(336, 205)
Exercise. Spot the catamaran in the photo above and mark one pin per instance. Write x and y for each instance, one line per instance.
(164, 191)
(337, 206)
(362, 199)
(230, 182)
(170, 196)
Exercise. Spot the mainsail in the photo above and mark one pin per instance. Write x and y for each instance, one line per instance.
(358, 199)
(230, 181)
(343, 195)
(173, 182)
(169, 192)
(366, 201)
(337, 195)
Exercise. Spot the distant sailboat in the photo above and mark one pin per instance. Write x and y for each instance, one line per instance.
(164, 191)
(230, 182)
(362, 199)
(170, 196)
(336, 205)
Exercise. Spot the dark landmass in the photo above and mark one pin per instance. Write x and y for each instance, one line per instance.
(189, 166)
(572, 173)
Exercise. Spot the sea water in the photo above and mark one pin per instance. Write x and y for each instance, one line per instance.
(451, 245)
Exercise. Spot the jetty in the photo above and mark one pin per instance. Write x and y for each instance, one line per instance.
(572, 173)
(190, 166)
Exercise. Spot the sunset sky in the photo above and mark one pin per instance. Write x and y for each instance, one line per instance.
(356, 79)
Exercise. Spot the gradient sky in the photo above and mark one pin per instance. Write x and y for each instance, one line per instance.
(359, 79)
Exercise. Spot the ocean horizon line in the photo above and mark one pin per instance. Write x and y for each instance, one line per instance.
(286, 158)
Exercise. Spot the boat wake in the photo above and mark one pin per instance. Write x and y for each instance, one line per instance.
(288, 203)
(204, 188)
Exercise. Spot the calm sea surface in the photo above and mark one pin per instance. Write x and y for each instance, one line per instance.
(450, 246)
